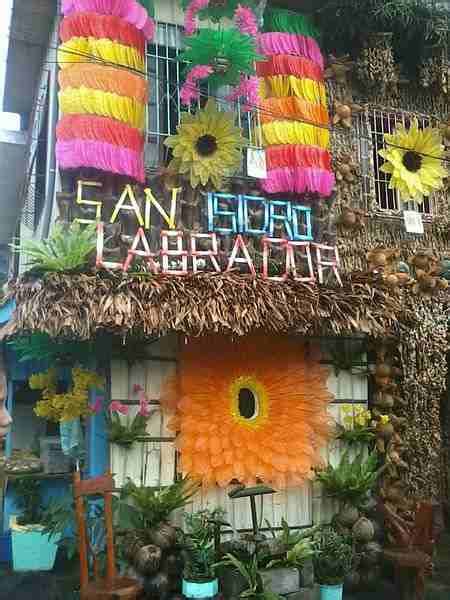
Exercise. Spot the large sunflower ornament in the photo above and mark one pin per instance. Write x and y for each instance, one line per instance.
(414, 160)
(207, 147)
(248, 410)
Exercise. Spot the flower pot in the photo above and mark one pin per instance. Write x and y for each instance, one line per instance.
(5, 548)
(200, 589)
(331, 592)
(32, 550)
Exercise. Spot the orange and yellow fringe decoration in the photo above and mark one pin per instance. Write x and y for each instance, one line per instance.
(280, 444)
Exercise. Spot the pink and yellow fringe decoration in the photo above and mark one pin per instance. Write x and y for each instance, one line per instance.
(103, 88)
(294, 114)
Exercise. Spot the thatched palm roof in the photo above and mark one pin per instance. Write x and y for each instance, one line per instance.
(82, 305)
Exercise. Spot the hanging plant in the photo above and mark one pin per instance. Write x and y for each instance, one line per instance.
(215, 10)
(376, 66)
(229, 53)
(73, 404)
(207, 147)
(414, 160)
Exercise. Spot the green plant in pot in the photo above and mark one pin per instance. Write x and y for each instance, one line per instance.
(350, 482)
(332, 562)
(31, 548)
(199, 576)
(249, 571)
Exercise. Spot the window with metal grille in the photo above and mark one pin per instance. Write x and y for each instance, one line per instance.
(382, 122)
(166, 76)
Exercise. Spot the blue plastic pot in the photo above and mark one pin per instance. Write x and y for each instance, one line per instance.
(33, 551)
(5, 548)
(331, 592)
(200, 589)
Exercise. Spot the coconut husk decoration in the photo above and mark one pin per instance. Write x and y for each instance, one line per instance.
(433, 72)
(344, 112)
(375, 68)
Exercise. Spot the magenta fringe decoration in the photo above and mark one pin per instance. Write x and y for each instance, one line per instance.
(189, 90)
(290, 43)
(190, 23)
(78, 153)
(299, 181)
(246, 21)
(248, 89)
(129, 10)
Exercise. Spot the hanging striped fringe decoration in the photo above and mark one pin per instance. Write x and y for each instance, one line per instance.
(103, 86)
(294, 114)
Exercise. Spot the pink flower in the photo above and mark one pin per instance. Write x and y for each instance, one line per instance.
(144, 406)
(98, 405)
(190, 90)
(245, 20)
(190, 24)
(118, 407)
(137, 388)
(248, 89)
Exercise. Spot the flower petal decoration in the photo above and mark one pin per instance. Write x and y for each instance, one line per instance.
(219, 9)
(228, 51)
(207, 147)
(414, 160)
(253, 409)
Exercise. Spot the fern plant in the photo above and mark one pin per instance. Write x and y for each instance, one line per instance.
(351, 480)
(66, 249)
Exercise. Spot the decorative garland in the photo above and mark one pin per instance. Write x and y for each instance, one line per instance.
(292, 91)
(103, 107)
(70, 405)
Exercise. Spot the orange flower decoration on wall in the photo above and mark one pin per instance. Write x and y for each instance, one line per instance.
(252, 409)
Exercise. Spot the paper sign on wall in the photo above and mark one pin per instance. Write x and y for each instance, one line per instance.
(256, 163)
(413, 221)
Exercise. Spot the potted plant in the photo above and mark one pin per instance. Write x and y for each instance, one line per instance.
(32, 550)
(199, 577)
(249, 571)
(332, 562)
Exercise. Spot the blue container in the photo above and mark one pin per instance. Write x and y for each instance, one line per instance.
(204, 589)
(331, 592)
(5, 548)
(33, 551)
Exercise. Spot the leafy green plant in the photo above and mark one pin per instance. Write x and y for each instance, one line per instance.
(148, 507)
(66, 249)
(40, 346)
(358, 435)
(28, 499)
(350, 481)
(201, 554)
(249, 570)
(333, 557)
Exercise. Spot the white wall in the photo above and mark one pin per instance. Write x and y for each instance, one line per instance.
(300, 506)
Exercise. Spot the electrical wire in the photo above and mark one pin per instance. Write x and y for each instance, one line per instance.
(91, 58)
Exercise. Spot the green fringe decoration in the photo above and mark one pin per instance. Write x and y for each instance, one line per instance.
(216, 13)
(287, 21)
(238, 49)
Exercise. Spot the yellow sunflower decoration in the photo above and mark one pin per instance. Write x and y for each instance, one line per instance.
(207, 147)
(248, 410)
(414, 160)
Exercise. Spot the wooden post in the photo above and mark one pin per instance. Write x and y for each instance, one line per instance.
(110, 558)
(82, 536)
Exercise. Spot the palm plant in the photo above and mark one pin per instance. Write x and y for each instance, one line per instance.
(351, 480)
(66, 249)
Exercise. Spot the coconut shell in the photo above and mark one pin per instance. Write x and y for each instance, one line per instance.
(164, 536)
(348, 516)
(383, 370)
(148, 559)
(391, 280)
(384, 401)
(385, 430)
(344, 111)
(363, 530)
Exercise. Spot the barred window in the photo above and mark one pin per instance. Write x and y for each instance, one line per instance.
(382, 122)
(166, 76)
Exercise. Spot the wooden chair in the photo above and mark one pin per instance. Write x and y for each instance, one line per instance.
(413, 553)
(111, 587)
